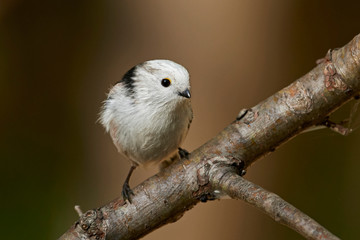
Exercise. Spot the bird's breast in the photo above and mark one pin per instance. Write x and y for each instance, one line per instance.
(153, 135)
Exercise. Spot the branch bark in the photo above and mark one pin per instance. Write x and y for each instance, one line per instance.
(228, 182)
(166, 196)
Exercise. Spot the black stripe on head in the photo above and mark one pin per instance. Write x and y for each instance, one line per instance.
(128, 81)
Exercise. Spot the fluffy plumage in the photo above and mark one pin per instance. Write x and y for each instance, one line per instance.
(147, 119)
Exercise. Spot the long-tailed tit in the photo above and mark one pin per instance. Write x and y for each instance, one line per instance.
(148, 113)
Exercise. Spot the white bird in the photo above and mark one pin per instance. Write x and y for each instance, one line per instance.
(148, 113)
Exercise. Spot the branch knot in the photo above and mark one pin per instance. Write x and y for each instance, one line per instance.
(332, 79)
(91, 222)
(211, 170)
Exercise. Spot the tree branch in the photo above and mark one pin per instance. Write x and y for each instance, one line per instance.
(228, 182)
(165, 197)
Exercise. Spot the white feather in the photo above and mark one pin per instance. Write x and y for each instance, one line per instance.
(149, 124)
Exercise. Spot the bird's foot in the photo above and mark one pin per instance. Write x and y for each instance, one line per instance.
(183, 153)
(127, 192)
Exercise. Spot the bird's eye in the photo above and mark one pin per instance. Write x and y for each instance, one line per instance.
(165, 82)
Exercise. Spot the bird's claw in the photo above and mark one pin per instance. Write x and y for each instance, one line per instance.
(127, 192)
(183, 153)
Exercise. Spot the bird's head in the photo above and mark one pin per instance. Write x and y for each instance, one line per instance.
(158, 81)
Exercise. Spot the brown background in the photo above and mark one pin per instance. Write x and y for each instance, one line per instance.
(58, 58)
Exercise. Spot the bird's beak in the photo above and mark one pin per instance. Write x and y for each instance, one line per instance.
(185, 93)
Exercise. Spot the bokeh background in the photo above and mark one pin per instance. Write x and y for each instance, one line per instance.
(59, 58)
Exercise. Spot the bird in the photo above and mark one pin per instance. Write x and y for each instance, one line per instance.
(148, 114)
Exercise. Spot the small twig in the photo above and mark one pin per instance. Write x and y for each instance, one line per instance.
(271, 204)
(340, 127)
(78, 210)
(314, 128)
(337, 127)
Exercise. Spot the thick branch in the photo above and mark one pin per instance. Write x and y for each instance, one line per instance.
(164, 197)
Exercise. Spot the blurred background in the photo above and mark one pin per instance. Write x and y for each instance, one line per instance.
(59, 58)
